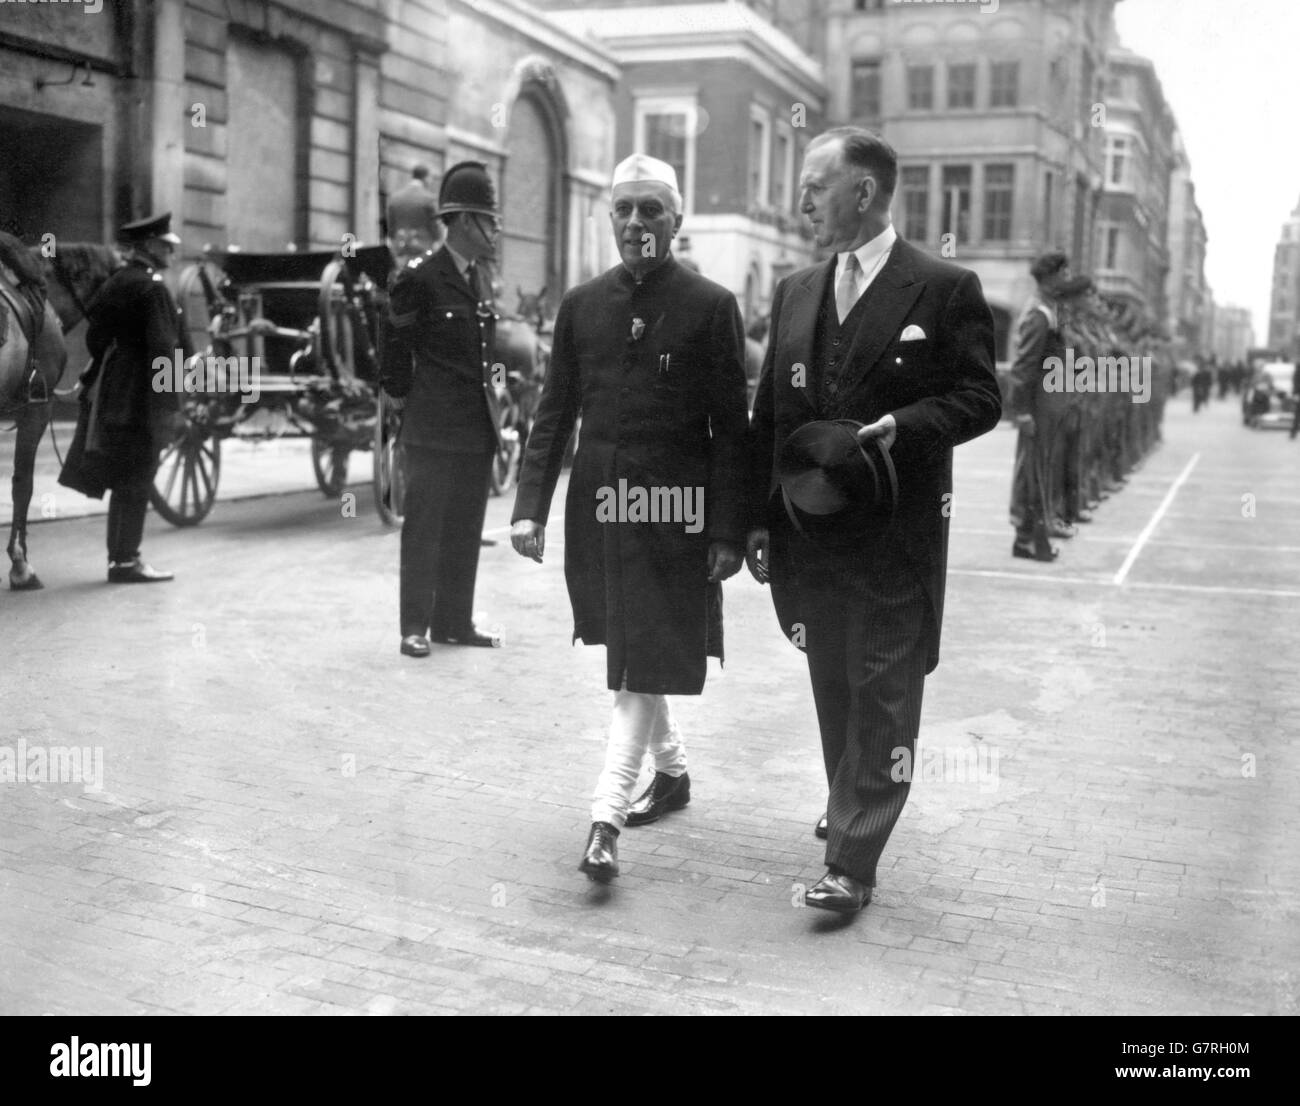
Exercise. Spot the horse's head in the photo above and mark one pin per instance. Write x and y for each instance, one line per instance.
(532, 306)
(73, 274)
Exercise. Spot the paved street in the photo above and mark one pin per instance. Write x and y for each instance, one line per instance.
(295, 819)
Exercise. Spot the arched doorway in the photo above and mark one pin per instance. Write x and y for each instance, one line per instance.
(532, 201)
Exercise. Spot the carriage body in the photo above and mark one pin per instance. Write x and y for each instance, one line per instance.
(286, 346)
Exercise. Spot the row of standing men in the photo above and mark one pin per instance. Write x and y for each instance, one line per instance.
(1079, 435)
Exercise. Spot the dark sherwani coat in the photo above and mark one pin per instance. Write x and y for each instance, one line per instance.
(664, 410)
(131, 321)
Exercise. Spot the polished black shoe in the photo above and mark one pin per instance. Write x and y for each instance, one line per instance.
(1032, 552)
(1081, 517)
(135, 572)
(600, 861)
(415, 645)
(839, 892)
(1061, 529)
(820, 830)
(665, 793)
(472, 636)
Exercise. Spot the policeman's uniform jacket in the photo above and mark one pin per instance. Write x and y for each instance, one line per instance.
(438, 350)
(132, 320)
(656, 370)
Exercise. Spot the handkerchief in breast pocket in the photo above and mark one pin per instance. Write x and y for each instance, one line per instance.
(911, 333)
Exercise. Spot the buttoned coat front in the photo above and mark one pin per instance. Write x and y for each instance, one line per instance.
(655, 369)
(438, 354)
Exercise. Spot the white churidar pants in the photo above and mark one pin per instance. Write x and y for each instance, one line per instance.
(641, 722)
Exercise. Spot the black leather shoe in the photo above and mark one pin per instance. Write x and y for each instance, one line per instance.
(415, 645)
(1061, 529)
(1031, 552)
(820, 830)
(600, 861)
(135, 572)
(472, 636)
(839, 892)
(665, 793)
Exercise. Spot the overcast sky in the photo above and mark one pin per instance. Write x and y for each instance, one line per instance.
(1230, 70)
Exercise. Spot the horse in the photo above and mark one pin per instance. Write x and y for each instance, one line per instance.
(41, 298)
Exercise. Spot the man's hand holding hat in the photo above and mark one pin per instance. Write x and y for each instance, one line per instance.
(883, 428)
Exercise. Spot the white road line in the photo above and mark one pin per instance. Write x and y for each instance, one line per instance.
(1150, 527)
(1046, 578)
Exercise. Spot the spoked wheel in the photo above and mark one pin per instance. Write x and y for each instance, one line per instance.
(185, 486)
(505, 465)
(330, 463)
(389, 479)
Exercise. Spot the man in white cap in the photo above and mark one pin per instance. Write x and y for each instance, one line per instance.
(651, 355)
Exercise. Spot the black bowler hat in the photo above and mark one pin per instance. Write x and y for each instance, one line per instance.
(835, 487)
(466, 186)
(154, 226)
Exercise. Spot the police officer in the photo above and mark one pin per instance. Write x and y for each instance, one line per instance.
(126, 421)
(413, 217)
(438, 358)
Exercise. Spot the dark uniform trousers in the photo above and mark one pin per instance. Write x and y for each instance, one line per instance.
(446, 499)
(865, 639)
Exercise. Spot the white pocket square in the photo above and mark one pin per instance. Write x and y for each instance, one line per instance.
(912, 333)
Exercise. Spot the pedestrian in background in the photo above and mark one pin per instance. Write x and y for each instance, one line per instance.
(125, 421)
(651, 355)
(413, 225)
(1036, 412)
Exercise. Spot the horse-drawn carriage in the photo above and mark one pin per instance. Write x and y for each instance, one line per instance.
(289, 345)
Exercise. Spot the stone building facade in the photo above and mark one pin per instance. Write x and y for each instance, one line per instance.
(995, 117)
(270, 125)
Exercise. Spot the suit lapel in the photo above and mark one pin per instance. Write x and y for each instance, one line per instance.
(804, 304)
(884, 307)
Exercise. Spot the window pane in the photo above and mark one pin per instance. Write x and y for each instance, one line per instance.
(956, 201)
(999, 188)
(1005, 89)
(865, 92)
(665, 138)
(920, 87)
(961, 86)
(916, 202)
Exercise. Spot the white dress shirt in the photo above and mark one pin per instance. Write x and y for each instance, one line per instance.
(871, 256)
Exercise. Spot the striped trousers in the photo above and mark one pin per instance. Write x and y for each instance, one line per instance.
(865, 639)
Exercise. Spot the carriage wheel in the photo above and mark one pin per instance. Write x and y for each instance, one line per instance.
(337, 341)
(506, 462)
(185, 485)
(330, 463)
(389, 478)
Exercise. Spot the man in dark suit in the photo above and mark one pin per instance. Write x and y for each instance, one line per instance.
(437, 359)
(892, 338)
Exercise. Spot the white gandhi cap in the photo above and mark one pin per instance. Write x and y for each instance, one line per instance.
(640, 167)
